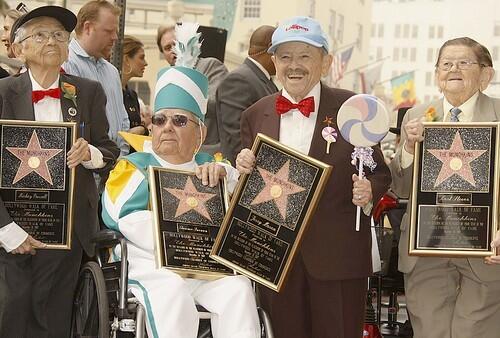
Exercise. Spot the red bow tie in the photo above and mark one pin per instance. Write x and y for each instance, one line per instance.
(305, 106)
(37, 95)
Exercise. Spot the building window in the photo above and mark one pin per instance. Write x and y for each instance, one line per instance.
(340, 29)
(395, 54)
(374, 30)
(440, 32)
(397, 31)
(414, 31)
(404, 54)
(496, 29)
(495, 53)
(430, 54)
(428, 78)
(406, 31)
(380, 30)
(380, 52)
(360, 36)
(331, 27)
(251, 8)
(431, 32)
(413, 54)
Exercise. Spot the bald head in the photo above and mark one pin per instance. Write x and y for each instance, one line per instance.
(260, 41)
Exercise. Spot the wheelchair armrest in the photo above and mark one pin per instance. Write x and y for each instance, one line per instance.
(106, 238)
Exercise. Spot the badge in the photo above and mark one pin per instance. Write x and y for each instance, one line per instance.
(72, 111)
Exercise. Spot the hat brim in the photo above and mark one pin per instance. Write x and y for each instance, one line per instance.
(272, 49)
(61, 14)
(396, 131)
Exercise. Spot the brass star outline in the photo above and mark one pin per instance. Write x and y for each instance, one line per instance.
(191, 199)
(456, 161)
(277, 188)
(33, 158)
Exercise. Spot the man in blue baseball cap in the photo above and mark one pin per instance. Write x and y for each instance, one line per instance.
(324, 295)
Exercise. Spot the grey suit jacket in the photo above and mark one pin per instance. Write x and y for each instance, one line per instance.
(215, 71)
(15, 104)
(487, 110)
(240, 89)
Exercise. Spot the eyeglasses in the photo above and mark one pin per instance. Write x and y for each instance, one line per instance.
(461, 64)
(44, 36)
(178, 120)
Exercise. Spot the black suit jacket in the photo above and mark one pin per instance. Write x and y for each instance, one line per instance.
(240, 89)
(15, 104)
(331, 248)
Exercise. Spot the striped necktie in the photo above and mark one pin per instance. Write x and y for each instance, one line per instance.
(454, 114)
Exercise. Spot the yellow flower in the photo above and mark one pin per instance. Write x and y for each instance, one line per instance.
(430, 115)
(218, 157)
(69, 91)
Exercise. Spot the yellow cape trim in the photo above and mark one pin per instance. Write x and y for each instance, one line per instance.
(135, 141)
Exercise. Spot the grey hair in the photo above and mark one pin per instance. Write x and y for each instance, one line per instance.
(19, 34)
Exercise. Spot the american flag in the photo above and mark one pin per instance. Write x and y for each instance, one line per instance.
(339, 65)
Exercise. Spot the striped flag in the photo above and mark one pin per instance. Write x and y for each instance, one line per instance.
(403, 90)
(339, 66)
(369, 78)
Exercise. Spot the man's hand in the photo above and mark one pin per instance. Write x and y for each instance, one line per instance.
(361, 191)
(245, 161)
(78, 153)
(494, 244)
(29, 246)
(414, 133)
(210, 173)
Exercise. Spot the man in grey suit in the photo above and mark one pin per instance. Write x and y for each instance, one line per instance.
(449, 297)
(37, 286)
(242, 87)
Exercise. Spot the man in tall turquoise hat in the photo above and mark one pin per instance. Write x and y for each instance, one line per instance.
(177, 134)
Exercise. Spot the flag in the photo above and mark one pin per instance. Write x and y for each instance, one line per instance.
(369, 78)
(340, 61)
(403, 90)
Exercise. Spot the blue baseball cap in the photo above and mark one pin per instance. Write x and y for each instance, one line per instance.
(299, 29)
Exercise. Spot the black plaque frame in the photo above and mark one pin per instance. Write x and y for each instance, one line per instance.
(183, 243)
(42, 209)
(454, 217)
(254, 240)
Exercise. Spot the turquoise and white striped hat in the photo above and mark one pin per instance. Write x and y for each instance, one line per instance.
(182, 88)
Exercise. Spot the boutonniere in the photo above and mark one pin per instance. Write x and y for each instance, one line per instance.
(329, 133)
(69, 91)
(218, 157)
(430, 115)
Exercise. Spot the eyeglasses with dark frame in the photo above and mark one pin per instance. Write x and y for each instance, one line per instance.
(461, 64)
(178, 120)
(44, 36)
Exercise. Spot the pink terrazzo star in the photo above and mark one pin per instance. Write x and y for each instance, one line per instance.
(33, 158)
(191, 199)
(456, 161)
(277, 188)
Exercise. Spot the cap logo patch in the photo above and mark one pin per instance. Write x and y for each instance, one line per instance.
(297, 27)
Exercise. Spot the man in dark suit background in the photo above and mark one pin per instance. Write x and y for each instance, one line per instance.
(241, 88)
(325, 293)
(37, 286)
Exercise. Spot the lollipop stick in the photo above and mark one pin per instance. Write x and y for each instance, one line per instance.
(328, 146)
(358, 209)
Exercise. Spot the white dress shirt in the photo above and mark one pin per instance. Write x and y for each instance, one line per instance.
(296, 130)
(47, 109)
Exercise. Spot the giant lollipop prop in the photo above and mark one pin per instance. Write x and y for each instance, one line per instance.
(363, 121)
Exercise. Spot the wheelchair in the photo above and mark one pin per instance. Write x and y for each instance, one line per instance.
(103, 307)
(389, 280)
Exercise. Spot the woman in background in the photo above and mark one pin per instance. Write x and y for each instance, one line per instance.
(133, 65)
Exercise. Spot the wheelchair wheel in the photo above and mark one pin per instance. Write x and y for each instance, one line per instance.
(90, 307)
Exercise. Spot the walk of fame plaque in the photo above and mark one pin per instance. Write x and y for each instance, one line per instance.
(187, 216)
(36, 185)
(455, 190)
(269, 212)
